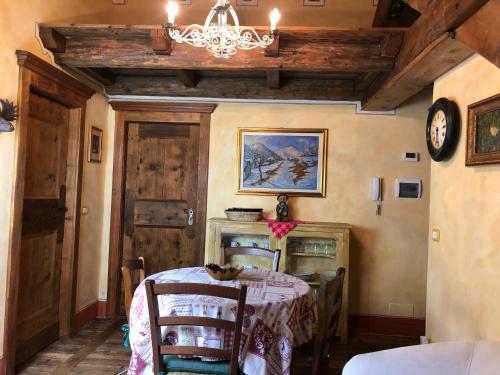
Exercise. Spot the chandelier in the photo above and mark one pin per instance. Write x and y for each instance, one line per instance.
(218, 35)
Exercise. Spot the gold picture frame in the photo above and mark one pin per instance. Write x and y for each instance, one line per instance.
(282, 160)
(95, 145)
(483, 132)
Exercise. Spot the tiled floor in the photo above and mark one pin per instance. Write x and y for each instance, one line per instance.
(98, 350)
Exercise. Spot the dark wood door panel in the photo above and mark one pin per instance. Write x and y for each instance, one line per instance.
(42, 226)
(165, 248)
(161, 189)
(157, 213)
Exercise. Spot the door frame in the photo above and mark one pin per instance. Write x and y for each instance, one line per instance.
(127, 112)
(36, 75)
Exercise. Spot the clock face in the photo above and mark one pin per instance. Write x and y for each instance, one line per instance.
(442, 129)
(438, 129)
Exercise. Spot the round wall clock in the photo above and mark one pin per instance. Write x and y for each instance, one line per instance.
(443, 127)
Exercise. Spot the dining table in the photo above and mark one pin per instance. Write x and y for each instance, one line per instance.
(279, 315)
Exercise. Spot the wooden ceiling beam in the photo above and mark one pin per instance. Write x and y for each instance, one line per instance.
(241, 88)
(394, 13)
(481, 32)
(273, 79)
(302, 49)
(273, 50)
(161, 42)
(187, 77)
(381, 13)
(421, 6)
(53, 40)
(442, 55)
(102, 75)
(423, 42)
(443, 16)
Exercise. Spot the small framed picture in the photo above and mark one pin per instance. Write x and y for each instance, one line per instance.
(253, 3)
(95, 145)
(314, 3)
(483, 132)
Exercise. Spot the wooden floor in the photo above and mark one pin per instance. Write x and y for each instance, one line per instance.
(98, 350)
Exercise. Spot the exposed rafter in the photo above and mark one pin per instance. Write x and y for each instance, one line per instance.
(382, 66)
(428, 50)
(302, 63)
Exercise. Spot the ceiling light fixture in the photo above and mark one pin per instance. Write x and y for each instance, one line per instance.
(218, 35)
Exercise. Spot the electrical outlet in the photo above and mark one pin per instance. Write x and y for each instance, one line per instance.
(436, 234)
(85, 211)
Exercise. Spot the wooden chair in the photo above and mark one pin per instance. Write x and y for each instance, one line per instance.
(329, 304)
(165, 356)
(253, 251)
(133, 266)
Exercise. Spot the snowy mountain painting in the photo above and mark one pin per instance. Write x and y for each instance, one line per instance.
(282, 161)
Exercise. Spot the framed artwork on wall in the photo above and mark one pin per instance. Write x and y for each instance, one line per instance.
(253, 3)
(314, 3)
(291, 161)
(483, 132)
(95, 145)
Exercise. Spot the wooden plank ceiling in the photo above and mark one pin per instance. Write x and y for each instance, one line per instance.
(380, 66)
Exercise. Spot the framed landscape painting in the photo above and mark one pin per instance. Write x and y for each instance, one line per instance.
(483, 132)
(273, 161)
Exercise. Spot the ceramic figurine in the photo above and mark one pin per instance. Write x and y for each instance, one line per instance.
(282, 208)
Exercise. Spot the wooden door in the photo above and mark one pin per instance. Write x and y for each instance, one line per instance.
(161, 190)
(43, 226)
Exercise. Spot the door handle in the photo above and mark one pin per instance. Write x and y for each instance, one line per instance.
(190, 213)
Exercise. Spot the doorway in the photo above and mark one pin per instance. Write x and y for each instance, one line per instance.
(44, 226)
(160, 178)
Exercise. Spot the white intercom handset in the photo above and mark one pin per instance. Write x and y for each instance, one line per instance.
(377, 193)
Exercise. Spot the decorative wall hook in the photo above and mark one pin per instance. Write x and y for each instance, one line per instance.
(8, 113)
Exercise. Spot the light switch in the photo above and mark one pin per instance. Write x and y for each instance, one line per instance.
(85, 210)
(436, 234)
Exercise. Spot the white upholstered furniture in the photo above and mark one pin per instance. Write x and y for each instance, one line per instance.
(448, 358)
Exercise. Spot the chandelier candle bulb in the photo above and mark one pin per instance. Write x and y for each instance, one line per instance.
(275, 17)
(172, 10)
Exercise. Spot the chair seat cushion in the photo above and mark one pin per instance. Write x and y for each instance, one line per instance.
(175, 364)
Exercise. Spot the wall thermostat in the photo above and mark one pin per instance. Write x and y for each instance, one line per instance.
(411, 156)
(408, 188)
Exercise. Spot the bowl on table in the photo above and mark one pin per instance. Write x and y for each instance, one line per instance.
(223, 273)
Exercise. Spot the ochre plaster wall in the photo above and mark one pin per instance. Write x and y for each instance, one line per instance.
(350, 13)
(463, 287)
(18, 31)
(388, 253)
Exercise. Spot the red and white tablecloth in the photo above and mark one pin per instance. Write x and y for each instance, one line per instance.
(278, 316)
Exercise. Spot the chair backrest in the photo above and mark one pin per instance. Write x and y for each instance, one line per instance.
(129, 268)
(274, 255)
(329, 305)
(154, 290)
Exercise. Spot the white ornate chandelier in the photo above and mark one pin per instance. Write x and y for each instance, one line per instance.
(220, 37)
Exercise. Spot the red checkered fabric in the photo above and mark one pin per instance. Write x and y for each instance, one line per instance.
(281, 228)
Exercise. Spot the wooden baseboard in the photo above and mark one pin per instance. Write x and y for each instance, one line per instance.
(385, 325)
(84, 316)
(101, 309)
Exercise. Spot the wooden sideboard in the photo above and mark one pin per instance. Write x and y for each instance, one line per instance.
(315, 246)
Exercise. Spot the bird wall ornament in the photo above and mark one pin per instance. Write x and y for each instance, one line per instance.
(8, 114)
